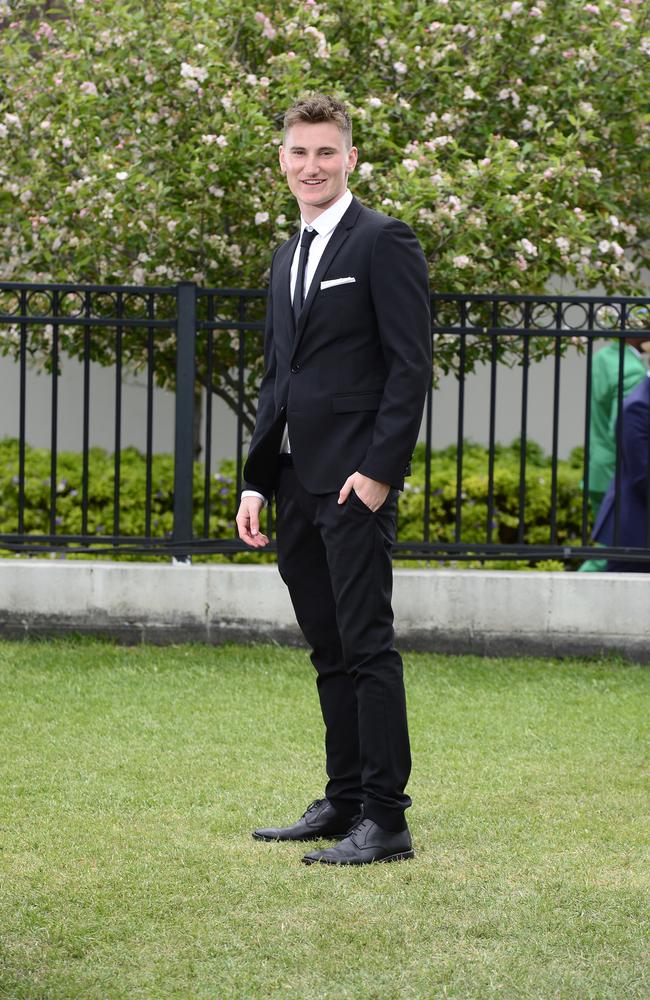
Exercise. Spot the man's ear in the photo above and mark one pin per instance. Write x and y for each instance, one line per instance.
(283, 166)
(353, 156)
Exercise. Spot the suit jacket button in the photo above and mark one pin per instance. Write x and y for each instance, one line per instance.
(295, 367)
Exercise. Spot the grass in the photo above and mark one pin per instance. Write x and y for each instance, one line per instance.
(130, 779)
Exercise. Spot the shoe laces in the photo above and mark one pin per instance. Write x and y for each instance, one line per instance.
(313, 805)
(357, 829)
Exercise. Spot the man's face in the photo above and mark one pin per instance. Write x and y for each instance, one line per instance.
(317, 162)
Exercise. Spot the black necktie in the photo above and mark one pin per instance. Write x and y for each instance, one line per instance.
(299, 292)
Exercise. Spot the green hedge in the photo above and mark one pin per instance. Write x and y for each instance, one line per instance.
(223, 500)
(100, 493)
(474, 510)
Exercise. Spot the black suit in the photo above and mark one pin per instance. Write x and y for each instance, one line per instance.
(350, 382)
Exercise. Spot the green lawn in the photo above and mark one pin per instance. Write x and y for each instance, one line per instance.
(130, 780)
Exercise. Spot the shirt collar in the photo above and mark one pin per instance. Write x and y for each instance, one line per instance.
(330, 218)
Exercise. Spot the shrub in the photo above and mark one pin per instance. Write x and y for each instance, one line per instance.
(223, 500)
(474, 497)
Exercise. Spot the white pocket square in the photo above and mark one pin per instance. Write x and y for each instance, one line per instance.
(336, 281)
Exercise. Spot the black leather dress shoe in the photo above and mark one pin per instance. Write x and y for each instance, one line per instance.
(366, 843)
(320, 819)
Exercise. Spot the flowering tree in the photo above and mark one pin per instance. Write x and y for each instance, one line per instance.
(140, 140)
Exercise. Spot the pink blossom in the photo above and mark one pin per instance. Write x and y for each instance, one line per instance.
(462, 260)
(189, 72)
(529, 248)
(267, 30)
(591, 8)
(88, 87)
(210, 139)
(521, 262)
(322, 48)
(261, 217)
(454, 205)
(440, 140)
(45, 30)
(410, 165)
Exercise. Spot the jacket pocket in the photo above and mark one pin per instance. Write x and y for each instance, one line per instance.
(354, 402)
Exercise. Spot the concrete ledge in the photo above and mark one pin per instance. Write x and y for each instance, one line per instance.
(490, 613)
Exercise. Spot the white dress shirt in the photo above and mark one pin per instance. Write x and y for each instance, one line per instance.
(324, 224)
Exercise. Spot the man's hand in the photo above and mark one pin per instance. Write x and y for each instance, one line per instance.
(372, 493)
(248, 522)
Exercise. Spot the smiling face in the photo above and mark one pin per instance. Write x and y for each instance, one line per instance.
(317, 161)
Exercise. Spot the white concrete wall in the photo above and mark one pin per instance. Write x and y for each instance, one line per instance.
(494, 613)
(224, 424)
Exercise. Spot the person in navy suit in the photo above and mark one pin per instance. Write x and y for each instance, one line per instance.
(634, 486)
(347, 369)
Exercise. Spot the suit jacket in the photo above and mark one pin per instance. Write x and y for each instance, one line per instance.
(351, 380)
(633, 483)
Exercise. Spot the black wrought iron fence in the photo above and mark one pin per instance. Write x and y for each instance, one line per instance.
(209, 341)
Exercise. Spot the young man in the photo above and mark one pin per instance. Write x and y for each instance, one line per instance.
(348, 365)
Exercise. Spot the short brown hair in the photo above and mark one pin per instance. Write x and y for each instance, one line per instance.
(320, 108)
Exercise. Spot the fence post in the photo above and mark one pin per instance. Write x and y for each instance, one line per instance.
(184, 415)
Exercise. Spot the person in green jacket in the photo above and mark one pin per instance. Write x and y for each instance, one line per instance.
(604, 412)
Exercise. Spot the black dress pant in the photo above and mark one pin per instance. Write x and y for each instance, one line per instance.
(336, 561)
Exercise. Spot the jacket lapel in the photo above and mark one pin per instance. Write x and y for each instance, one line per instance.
(336, 241)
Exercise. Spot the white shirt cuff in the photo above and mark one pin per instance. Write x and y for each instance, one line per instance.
(254, 493)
